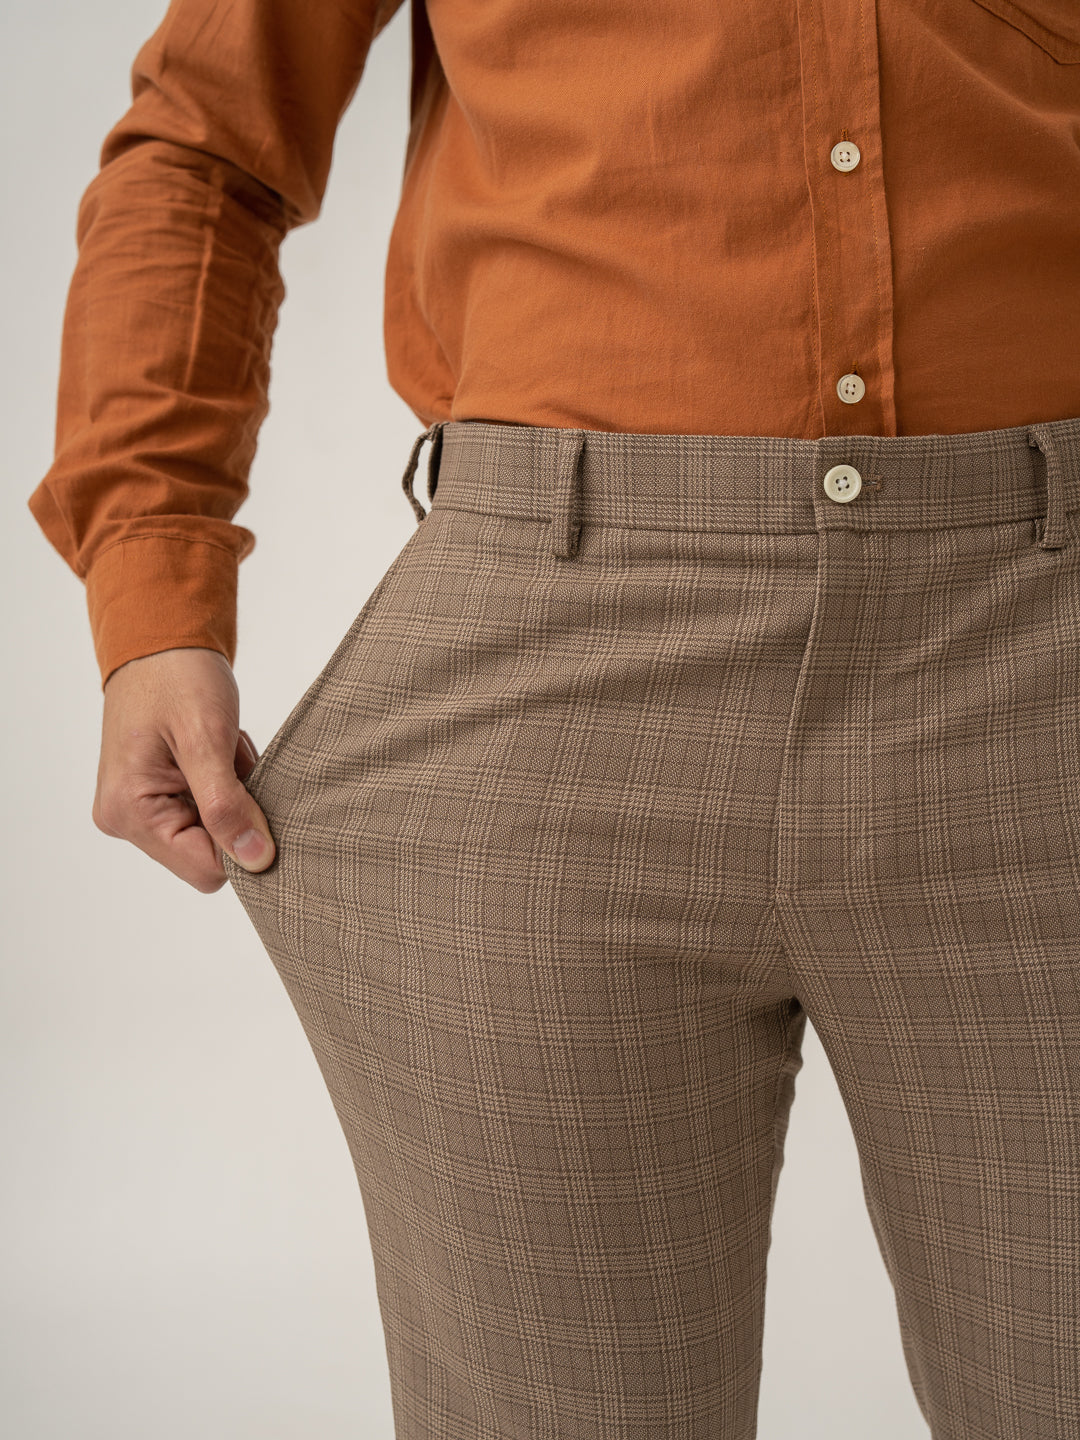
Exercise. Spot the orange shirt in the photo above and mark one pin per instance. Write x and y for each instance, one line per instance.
(794, 217)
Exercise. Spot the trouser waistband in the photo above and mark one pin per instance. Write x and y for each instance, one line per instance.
(763, 483)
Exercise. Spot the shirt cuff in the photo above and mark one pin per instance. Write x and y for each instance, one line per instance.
(160, 592)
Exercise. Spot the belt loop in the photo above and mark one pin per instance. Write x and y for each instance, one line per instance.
(1052, 531)
(566, 501)
(435, 434)
(432, 433)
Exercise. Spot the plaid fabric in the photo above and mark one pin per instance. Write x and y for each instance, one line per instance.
(645, 749)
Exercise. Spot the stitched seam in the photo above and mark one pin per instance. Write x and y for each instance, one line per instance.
(731, 530)
(161, 535)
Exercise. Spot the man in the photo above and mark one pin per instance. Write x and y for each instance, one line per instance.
(730, 678)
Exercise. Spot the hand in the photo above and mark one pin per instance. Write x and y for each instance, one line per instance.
(173, 759)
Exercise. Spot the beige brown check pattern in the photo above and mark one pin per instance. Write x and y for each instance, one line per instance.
(643, 751)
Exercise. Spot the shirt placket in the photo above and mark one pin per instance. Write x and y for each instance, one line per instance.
(839, 58)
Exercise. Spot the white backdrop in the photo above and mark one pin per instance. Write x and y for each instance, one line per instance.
(185, 1252)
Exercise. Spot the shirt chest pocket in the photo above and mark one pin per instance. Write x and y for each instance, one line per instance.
(1054, 25)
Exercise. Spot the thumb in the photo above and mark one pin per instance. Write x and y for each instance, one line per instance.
(227, 812)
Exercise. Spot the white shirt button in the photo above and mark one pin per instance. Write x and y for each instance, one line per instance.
(845, 155)
(842, 483)
(850, 388)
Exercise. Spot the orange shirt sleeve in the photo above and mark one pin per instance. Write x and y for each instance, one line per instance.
(172, 306)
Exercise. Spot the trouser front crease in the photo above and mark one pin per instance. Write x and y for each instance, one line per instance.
(644, 750)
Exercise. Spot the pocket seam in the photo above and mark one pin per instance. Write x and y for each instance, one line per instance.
(308, 696)
(1061, 48)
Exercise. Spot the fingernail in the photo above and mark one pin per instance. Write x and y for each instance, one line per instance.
(249, 848)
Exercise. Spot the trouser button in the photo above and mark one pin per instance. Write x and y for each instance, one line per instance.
(842, 483)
